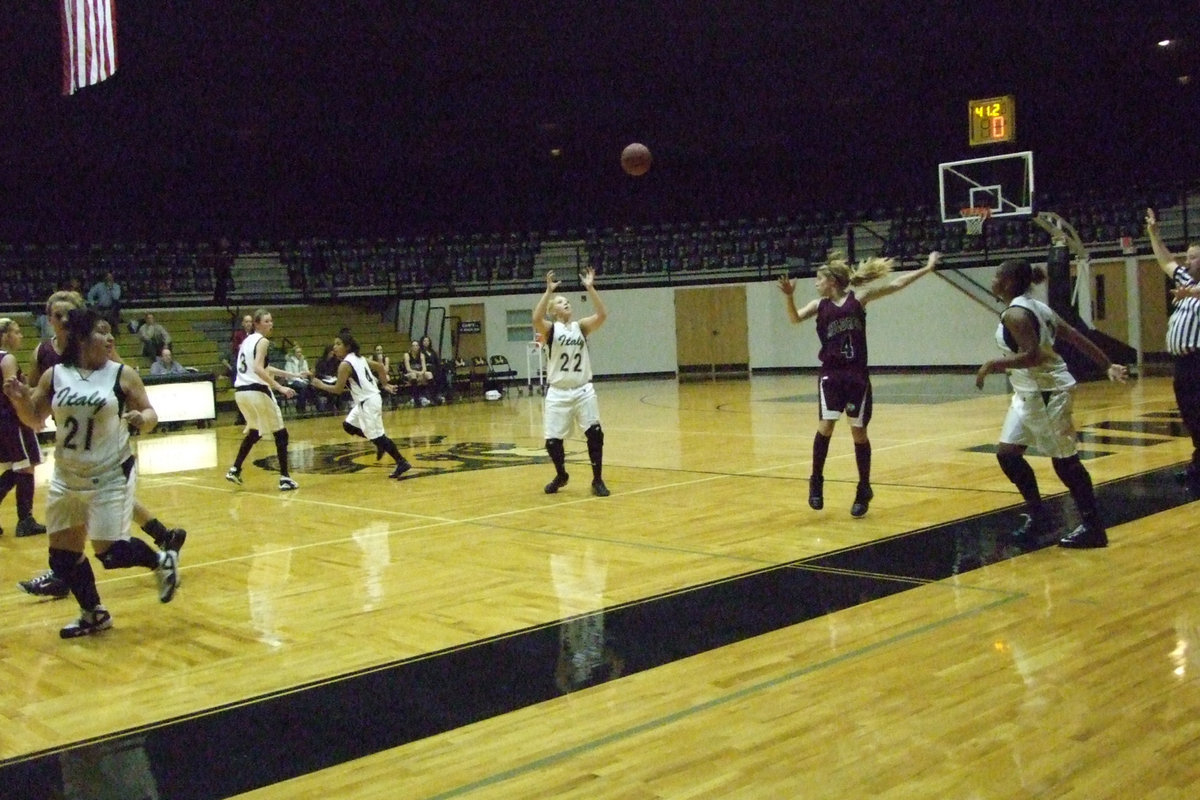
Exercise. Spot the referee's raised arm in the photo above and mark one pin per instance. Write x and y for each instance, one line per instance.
(1161, 253)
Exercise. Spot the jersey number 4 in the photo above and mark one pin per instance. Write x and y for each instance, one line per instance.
(847, 348)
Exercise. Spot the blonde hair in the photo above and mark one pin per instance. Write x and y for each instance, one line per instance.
(5, 324)
(75, 299)
(839, 271)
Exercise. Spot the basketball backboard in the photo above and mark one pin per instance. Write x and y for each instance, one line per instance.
(1003, 184)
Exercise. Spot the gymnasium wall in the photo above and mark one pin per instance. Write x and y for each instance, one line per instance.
(931, 323)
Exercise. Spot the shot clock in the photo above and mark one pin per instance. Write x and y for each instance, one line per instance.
(991, 121)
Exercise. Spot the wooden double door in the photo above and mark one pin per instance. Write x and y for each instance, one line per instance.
(711, 333)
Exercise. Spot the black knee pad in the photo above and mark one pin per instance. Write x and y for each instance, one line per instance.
(126, 553)
(117, 556)
(595, 444)
(62, 562)
(595, 434)
(353, 431)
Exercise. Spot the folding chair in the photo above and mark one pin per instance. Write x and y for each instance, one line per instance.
(501, 372)
(479, 372)
(458, 376)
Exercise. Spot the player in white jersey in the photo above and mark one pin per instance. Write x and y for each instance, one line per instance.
(94, 401)
(363, 378)
(254, 386)
(1040, 412)
(47, 354)
(570, 397)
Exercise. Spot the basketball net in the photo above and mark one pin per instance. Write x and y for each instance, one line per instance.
(974, 217)
(1063, 234)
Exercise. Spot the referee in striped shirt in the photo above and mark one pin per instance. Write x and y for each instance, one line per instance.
(1183, 337)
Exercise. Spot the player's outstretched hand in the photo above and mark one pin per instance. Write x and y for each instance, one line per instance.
(1118, 372)
(1151, 220)
(935, 258)
(551, 281)
(588, 277)
(785, 285)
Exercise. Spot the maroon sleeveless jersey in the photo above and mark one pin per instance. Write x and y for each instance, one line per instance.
(47, 356)
(843, 333)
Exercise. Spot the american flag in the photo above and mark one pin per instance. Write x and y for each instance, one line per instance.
(89, 42)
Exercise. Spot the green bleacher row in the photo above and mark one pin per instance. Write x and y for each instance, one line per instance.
(200, 337)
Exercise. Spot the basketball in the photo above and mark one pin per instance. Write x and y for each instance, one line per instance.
(636, 159)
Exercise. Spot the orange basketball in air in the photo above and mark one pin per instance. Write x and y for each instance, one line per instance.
(636, 159)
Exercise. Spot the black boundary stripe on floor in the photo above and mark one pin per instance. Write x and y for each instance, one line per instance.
(238, 747)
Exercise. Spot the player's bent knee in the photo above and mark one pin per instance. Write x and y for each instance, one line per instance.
(117, 556)
(62, 562)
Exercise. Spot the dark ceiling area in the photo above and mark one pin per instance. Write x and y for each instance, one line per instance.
(255, 118)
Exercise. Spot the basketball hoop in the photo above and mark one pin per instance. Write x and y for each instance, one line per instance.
(974, 217)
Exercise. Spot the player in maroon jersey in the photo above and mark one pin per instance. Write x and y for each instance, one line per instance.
(844, 383)
(19, 451)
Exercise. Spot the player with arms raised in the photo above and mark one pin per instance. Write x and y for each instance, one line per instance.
(844, 383)
(570, 397)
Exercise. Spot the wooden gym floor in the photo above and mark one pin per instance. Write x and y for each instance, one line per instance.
(700, 633)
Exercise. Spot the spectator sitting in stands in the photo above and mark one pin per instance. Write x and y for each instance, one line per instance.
(327, 364)
(166, 364)
(297, 364)
(154, 337)
(433, 363)
(380, 358)
(418, 374)
(327, 370)
(105, 298)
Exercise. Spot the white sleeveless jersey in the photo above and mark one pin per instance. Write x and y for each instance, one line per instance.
(567, 363)
(246, 376)
(362, 382)
(90, 436)
(1050, 373)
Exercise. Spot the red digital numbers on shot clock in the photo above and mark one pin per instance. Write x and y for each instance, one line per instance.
(991, 120)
